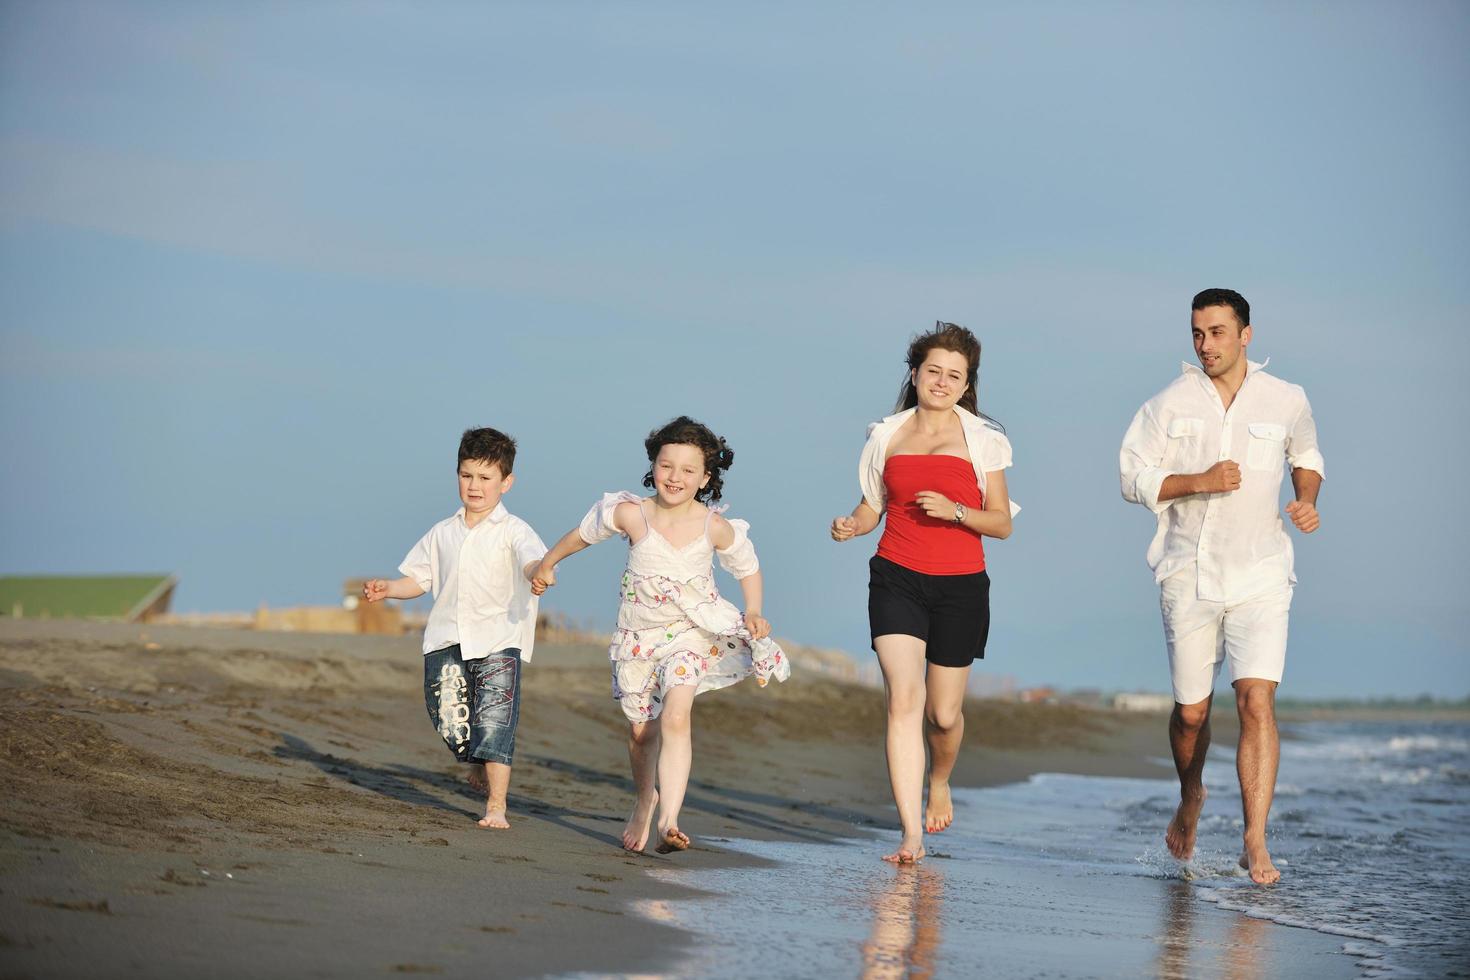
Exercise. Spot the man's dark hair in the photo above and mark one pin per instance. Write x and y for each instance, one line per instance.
(1224, 297)
(488, 446)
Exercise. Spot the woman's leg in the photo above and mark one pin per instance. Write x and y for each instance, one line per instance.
(674, 759)
(902, 659)
(944, 727)
(643, 742)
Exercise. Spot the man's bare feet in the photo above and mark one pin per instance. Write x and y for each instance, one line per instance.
(909, 852)
(674, 839)
(939, 814)
(1180, 835)
(477, 779)
(635, 834)
(494, 818)
(1257, 860)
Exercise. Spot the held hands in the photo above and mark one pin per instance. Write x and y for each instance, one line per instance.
(375, 590)
(1223, 477)
(1304, 515)
(844, 528)
(936, 505)
(758, 625)
(543, 578)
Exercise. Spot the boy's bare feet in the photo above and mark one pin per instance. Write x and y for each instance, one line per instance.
(674, 839)
(635, 834)
(1181, 833)
(478, 781)
(939, 814)
(1257, 860)
(909, 852)
(494, 818)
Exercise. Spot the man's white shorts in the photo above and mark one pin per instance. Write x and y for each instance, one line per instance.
(1201, 634)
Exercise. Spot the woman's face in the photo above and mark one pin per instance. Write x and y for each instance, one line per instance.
(940, 380)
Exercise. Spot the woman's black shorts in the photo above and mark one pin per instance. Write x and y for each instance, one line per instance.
(950, 613)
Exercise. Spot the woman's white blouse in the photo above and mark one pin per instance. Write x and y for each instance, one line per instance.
(988, 448)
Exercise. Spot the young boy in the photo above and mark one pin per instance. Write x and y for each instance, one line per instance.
(478, 566)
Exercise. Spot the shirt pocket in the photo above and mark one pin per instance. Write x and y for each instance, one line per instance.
(1184, 441)
(1267, 448)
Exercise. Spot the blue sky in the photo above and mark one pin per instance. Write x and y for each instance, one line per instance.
(261, 264)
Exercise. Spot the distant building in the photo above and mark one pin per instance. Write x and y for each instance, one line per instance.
(129, 598)
(1143, 701)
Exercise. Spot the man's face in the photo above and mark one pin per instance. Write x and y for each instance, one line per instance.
(481, 485)
(1220, 339)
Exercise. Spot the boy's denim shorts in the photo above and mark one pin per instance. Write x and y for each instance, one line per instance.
(475, 704)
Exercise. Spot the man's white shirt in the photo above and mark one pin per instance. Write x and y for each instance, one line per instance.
(1237, 539)
(482, 600)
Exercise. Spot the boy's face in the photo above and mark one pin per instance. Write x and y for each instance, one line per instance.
(481, 485)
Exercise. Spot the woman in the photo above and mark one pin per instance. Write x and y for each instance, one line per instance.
(937, 470)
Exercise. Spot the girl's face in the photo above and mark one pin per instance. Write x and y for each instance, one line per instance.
(940, 380)
(678, 473)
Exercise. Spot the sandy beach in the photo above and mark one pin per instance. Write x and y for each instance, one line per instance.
(212, 803)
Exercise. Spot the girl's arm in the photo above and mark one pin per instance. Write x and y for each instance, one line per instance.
(862, 520)
(377, 589)
(544, 575)
(992, 522)
(752, 588)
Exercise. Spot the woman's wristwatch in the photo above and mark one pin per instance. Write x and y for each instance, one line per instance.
(959, 513)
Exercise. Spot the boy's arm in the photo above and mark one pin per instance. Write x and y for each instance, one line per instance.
(377, 589)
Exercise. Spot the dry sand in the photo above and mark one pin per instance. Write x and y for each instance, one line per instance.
(201, 803)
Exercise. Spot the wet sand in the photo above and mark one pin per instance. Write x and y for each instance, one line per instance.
(195, 802)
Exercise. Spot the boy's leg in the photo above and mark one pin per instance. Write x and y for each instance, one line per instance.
(676, 755)
(448, 697)
(497, 706)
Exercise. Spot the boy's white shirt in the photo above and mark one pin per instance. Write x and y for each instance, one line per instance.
(482, 600)
(989, 450)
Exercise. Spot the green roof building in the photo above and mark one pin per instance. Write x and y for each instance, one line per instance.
(129, 598)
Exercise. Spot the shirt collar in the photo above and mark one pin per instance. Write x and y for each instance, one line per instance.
(967, 417)
(1251, 367)
(495, 517)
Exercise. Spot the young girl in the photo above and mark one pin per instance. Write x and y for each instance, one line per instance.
(676, 636)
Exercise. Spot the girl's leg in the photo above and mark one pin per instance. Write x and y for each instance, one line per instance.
(643, 744)
(944, 727)
(674, 760)
(902, 659)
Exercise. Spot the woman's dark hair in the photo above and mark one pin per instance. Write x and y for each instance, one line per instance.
(951, 337)
(684, 431)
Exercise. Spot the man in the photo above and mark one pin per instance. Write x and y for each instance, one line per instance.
(1206, 455)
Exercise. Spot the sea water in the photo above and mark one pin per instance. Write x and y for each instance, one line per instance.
(1067, 876)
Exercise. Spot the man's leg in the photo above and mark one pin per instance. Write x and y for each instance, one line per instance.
(1256, 762)
(902, 659)
(1189, 741)
(944, 728)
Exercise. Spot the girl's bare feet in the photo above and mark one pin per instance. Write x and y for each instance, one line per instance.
(635, 834)
(939, 814)
(674, 839)
(909, 852)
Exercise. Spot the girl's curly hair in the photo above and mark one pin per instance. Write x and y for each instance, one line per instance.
(684, 431)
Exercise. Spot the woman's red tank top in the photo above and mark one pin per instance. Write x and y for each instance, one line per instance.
(917, 541)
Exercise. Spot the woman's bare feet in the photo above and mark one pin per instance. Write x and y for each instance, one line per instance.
(635, 834)
(910, 851)
(1182, 829)
(674, 839)
(939, 814)
(1257, 860)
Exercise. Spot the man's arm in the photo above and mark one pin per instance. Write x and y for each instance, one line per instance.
(1303, 510)
(1223, 477)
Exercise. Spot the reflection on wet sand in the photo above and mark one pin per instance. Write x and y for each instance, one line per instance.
(904, 939)
(1182, 954)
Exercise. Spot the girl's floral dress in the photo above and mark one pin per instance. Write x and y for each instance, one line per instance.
(673, 626)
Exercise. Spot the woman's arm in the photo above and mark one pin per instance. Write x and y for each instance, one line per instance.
(861, 521)
(992, 522)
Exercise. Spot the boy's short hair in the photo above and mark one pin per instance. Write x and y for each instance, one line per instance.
(488, 446)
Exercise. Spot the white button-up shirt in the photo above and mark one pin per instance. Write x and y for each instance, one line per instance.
(1237, 539)
(989, 450)
(482, 600)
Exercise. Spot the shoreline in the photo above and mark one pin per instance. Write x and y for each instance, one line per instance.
(300, 773)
